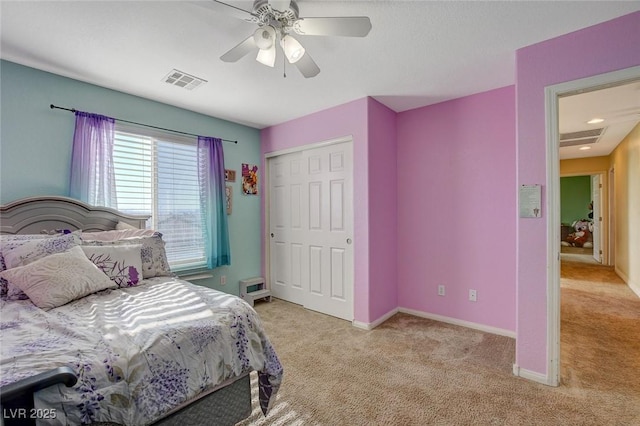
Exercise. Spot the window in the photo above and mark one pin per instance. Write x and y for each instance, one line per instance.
(156, 174)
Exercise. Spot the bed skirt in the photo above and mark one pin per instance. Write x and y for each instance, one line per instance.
(223, 407)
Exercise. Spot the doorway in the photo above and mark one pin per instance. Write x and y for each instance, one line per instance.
(552, 95)
(310, 222)
(583, 211)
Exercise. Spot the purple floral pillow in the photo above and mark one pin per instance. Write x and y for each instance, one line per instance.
(122, 264)
(154, 255)
(58, 279)
(25, 252)
(19, 250)
(9, 241)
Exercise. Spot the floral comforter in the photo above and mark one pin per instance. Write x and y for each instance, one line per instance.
(138, 352)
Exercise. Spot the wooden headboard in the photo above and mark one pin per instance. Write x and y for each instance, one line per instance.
(35, 215)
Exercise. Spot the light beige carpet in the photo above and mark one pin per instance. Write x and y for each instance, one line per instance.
(414, 371)
(577, 250)
(576, 257)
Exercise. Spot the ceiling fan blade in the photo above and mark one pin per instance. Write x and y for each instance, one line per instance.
(279, 5)
(240, 50)
(349, 26)
(307, 66)
(227, 9)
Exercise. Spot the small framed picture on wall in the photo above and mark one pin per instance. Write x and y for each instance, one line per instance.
(249, 179)
(229, 197)
(229, 175)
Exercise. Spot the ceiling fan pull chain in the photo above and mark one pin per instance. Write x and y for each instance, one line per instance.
(284, 66)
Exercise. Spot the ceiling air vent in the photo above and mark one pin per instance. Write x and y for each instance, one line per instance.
(583, 137)
(182, 79)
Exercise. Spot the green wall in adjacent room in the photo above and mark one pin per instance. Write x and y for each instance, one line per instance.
(35, 148)
(575, 196)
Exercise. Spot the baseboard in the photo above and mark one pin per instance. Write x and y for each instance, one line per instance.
(372, 325)
(441, 318)
(621, 274)
(635, 287)
(455, 321)
(532, 375)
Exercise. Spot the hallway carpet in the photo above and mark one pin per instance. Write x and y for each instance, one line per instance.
(600, 330)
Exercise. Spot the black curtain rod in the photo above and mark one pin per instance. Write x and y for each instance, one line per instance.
(52, 106)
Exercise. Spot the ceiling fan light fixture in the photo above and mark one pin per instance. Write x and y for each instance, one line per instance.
(292, 48)
(267, 56)
(265, 37)
(276, 20)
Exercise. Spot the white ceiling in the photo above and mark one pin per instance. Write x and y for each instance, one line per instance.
(418, 52)
(618, 106)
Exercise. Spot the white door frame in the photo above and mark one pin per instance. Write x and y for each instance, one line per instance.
(552, 93)
(267, 206)
(597, 216)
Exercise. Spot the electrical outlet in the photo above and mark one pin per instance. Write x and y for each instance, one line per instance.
(440, 290)
(223, 280)
(473, 295)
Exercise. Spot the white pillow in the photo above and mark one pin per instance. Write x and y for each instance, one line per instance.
(116, 234)
(58, 279)
(124, 225)
(122, 264)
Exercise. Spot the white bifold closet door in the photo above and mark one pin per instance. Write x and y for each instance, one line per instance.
(311, 228)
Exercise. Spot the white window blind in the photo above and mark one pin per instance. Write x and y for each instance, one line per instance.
(156, 174)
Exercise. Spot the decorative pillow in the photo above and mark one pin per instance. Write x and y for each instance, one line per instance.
(57, 231)
(9, 242)
(121, 263)
(13, 292)
(31, 250)
(124, 225)
(116, 235)
(7, 238)
(58, 279)
(153, 253)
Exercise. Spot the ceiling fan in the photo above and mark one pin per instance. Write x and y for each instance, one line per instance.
(277, 20)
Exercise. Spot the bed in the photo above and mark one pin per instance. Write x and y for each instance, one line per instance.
(145, 348)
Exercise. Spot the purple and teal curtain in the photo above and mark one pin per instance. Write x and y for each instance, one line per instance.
(92, 173)
(213, 201)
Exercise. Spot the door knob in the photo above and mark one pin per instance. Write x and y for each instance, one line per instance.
(272, 235)
(348, 240)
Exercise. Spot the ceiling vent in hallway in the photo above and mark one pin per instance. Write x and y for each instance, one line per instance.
(184, 80)
(583, 137)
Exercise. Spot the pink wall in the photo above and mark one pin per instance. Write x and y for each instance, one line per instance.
(457, 208)
(344, 120)
(606, 47)
(383, 217)
(457, 177)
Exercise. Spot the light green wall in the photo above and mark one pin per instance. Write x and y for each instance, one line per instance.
(35, 148)
(575, 196)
